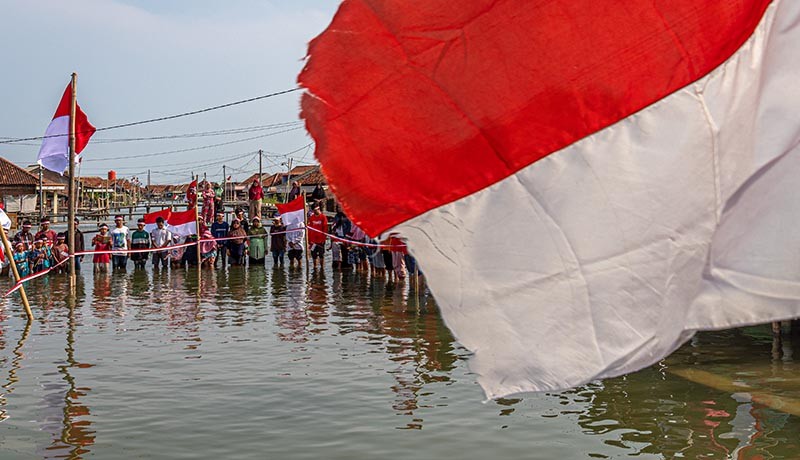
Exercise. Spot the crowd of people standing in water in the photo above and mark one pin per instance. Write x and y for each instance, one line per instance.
(240, 242)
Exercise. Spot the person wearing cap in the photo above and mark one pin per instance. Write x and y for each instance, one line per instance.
(45, 231)
(277, 242)
(140, 239)
(120, 241)
(21, 259)
(25, 236)
(160, 238)
(257, 250)
(80, 245)
(102, 242)
(219, 229)
(256, 194)
(317, 235)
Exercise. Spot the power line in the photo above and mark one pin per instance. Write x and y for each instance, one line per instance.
(154, 120)
(202, 147)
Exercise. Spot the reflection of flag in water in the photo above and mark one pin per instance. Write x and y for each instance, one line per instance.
(584, 183)
(293, 216)
(54, 153)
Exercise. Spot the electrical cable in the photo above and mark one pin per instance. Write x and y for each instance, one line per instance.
(165, 118)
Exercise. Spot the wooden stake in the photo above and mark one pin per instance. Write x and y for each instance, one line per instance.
(71, 207)
(14, 270)
(305, 225)
(197, 219)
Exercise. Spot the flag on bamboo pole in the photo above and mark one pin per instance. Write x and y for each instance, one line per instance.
(585, 184)
(54, 152)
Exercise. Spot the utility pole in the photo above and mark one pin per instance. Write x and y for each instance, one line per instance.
(224, 189)
(149, 192)
(288, 178)
(41, 194)
(260, 157)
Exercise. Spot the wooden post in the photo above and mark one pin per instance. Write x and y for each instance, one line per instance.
(305, 225)
(71, 214)
(10, 256)
(197, 219)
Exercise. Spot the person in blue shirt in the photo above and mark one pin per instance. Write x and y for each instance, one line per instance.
(219, 229)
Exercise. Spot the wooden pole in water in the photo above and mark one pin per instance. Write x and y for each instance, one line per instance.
(197, 220)
(72, 194)
(14, 270)
(305, 225)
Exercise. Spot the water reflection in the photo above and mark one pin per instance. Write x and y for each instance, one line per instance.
(716, 415)
(724, 395)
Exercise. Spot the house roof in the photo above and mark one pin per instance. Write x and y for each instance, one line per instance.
(13, 175)
(302, 169)
(49, 178)
(93, 182)
(313, 177)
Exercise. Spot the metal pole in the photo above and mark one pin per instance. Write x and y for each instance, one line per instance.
(149, 192)
(41, 194)
(71, 216)
(288, 178)
(14, 270)
(260, 157)
(224, 191)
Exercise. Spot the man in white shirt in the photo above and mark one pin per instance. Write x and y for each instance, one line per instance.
(120, 241)
(160, 237)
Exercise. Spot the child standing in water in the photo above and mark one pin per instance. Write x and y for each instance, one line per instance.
(21, 259)
(102, 242)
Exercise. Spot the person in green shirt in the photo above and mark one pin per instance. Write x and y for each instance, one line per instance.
(140, 239)
(258, 242)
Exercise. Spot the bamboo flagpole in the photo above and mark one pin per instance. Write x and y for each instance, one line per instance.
(305, 225)
(72, 194)
(14, 270)
(197, 222)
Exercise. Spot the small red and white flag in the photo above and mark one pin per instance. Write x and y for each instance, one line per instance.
(54, 152)
(293, 216)
(584, 183)
(183, 223)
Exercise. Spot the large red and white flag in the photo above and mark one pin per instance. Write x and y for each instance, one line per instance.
(183, 223)
(584, 183)
(54, 152)
(151, 218)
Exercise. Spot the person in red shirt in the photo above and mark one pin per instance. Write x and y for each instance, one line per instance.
(256, 193)
(316, 239)
(45, 231)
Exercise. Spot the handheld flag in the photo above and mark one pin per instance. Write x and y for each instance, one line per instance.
(54, 152)
(183, 223)
(585, 184)
(150, 219)
(293, 216)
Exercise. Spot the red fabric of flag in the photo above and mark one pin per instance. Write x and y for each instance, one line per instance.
(456, 96)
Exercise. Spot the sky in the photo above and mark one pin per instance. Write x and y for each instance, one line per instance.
(138, 60)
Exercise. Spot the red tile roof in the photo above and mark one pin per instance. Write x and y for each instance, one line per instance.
(313, 177)
(13, 175)
(302, 169)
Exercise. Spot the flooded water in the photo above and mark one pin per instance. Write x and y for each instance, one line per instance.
(264, 363)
